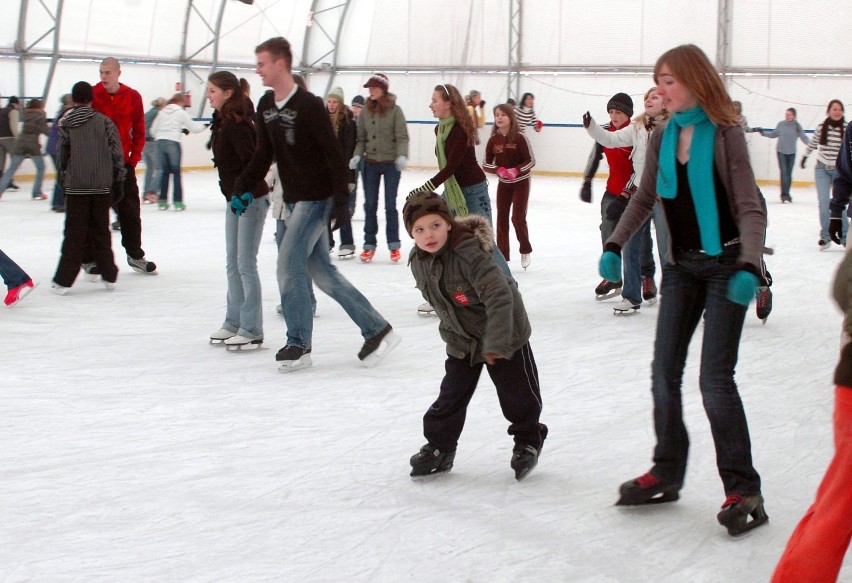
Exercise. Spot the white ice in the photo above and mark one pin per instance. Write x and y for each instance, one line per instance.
(134, 451)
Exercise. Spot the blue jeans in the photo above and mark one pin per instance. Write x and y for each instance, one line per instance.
(58, 192)
(373, 173)
(303, 256)
(479, 203)
(152, 167)
(11, 272)
(697, 284)
(280, 229)
(346, 238)
(631, 254)
(785, 165)
(9, 174)
(824, 179)
(243, 314)
(170, 153)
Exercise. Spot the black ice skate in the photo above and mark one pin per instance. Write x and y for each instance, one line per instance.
(763, 302)
(524, 459)
(607, 289)
(736, 512)
(431, 461)
(378, 346)
(649, 290)
(785, 198)
(293, 358)
(647, 489)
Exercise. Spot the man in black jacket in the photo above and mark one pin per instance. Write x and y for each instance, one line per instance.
(294, 129)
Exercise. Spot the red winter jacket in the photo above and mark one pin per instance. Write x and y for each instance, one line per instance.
(124, 108)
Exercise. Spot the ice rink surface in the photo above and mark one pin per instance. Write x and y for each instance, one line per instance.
(132, 450)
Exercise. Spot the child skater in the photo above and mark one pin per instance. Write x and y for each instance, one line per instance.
(483, 322)
(509, 155)
(91, 164)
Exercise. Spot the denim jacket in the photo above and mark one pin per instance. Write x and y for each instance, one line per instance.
(480, 309)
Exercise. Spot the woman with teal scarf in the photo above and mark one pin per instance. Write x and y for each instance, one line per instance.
(465, 185)
(716, 221)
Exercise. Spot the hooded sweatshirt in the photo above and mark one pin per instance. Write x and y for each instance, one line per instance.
(171, 121)
(90, 156)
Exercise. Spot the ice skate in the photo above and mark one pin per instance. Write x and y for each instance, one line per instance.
(425, 309)
(163, 205)
(377, 347)
(525, 260)
(142, 265)
(430, 461)
(395, 255)
(607, 289)
(346, 252)
(108, 285)
(60, 290)
(293, 358)
(367, 255)
(240, 342)
(736, 512)
(116, 225)
(179, 206)
(524, 459)
(91, 272)
(823, 244)
(763, 302)
(647, 489)
(625, 308)
(785, 198)
(649, 290)
(219, 336)
(16, 294)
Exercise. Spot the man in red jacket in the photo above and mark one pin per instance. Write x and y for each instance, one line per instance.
(123, 106)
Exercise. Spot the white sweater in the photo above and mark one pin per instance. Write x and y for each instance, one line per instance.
(633, 134)
(170, 122)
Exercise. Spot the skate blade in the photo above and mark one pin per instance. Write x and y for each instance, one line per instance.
(629, 312)
(344, 257)
(294, 365)
(387, 344)
(651, 301)
(217, 342)
(423, 313)
(660, 498)
(253, 345)
(422, 478)
(741, 530)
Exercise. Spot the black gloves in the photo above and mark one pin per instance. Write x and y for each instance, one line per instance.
(116, 193)
(482, 103)
(339, 214)
(587, 120)
(835, 229)
(586, 190)
(616, 207)
(804, 161)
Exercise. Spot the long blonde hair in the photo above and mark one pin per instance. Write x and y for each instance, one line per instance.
(692, 69)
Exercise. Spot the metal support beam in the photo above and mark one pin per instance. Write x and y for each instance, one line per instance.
(325, 23)
(513, 80)
(723, 37)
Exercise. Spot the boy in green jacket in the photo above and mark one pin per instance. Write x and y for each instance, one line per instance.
(483, 322)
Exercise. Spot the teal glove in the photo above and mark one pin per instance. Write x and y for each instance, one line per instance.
(239, 204)
(610, 266)
(741, 287)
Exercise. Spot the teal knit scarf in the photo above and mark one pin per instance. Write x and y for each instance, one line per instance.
(699, 172)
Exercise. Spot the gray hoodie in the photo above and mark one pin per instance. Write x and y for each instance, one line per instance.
(90, 158)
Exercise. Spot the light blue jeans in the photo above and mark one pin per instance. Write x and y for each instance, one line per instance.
(152, 167)
(280, 229)
(9, 174)
(479, 203)
(169, 153)
(303, 256)
(243, 313)
(824, 179)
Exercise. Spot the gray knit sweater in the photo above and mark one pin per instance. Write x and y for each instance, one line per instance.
(90, 158)
(787, 133)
